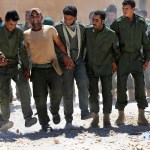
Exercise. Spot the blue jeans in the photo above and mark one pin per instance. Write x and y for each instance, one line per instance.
(79, 74)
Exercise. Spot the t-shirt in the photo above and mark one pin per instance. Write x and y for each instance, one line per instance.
(40, 44)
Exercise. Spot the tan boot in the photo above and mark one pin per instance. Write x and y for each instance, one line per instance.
(5, 125)
(121, 118)
(106, 120)
(95, 120)
(141, 118)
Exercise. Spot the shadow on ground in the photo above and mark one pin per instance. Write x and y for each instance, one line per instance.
(130, 130)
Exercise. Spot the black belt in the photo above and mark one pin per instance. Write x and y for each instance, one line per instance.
(42, 66)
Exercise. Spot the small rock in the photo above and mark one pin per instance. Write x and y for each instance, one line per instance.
(17, 131)
(139, 147)
(56, 141)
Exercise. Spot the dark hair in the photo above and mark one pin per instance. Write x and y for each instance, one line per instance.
(1, 20)
(70, 10)
(12, 14)
(101, 13)
(111, 8)
(129, 2)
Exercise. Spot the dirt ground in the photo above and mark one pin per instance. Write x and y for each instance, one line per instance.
(127, 137)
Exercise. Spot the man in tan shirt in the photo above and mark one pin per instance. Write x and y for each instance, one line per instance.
(39, 41)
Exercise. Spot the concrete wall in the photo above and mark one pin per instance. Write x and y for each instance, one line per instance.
(53, 8)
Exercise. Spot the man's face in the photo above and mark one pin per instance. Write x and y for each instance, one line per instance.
(111, 16)
(10, 25)
(69, 20)
(97, 22)
(36, 19)
(128, 11)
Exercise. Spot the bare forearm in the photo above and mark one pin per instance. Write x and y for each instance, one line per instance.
(62, 48)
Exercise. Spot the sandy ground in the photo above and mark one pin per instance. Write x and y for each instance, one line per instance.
(127, 137)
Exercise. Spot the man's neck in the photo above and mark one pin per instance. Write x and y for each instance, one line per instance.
(101, 29)
(131, 17)
(36, 28)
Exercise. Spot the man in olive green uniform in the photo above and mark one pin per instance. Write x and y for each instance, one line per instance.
(131, 31)
(24, 27)
(111, 15)
(100, 60)
(11, 46)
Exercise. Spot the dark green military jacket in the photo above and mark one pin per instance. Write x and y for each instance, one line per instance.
(102, 50)
(11, 45)
(132, 35)
(59, 29)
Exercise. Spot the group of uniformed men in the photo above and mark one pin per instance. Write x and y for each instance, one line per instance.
(67, 51)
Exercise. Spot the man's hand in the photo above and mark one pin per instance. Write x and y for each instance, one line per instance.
(3, 60)
(26, 73)
(145, 65)
(114, 67)
(68, 62)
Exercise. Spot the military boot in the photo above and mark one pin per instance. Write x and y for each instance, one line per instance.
(95, 120)
(121, 118)
(5, 125)
(106, 120)
(141, 118)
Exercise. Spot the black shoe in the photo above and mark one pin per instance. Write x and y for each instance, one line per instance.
(30, 121)
(56, 119)
(46, 128)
